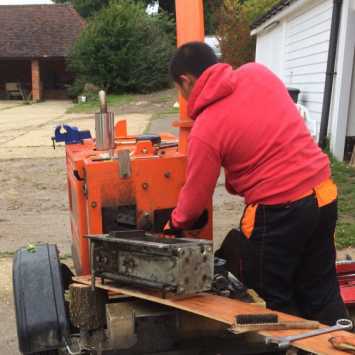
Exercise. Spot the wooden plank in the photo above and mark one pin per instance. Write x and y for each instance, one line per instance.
(224, 310)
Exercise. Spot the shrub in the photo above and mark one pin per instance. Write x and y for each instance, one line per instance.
(233, 33)
(234, 19)
(123, 49)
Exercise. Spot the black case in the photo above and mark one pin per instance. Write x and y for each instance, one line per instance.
(41, 318)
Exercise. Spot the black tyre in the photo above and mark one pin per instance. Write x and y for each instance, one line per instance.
(41, 317)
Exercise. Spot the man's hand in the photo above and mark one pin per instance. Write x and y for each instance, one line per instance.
(170, 231)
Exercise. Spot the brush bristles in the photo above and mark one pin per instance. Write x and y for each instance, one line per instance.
(267, 318)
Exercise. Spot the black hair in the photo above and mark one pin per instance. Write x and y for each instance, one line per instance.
(191, 58)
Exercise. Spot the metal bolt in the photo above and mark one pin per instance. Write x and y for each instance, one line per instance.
(93, 204)
(145, 186)
(167, 174)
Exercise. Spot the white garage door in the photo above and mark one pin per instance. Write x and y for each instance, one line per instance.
(306, 53)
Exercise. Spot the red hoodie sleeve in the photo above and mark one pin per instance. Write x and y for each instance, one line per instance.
(203, 168)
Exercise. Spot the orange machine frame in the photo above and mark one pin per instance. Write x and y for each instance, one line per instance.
(156, 174)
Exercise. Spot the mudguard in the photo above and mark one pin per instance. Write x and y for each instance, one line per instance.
(41, 319)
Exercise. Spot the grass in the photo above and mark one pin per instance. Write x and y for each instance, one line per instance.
(344, 176)
(93, 104)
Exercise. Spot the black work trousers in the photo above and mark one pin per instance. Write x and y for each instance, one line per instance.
(289, 259)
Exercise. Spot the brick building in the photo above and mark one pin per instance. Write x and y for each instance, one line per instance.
(34, 43)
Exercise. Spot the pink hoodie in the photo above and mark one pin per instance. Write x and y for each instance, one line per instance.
(246, 122)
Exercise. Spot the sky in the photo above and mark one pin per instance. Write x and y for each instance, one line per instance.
(153, 9)
(24, 2)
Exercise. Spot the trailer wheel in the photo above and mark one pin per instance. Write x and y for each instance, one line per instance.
(38, 284)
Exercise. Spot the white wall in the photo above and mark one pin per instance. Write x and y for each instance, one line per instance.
(351, 116)
(269, 49)
(306, 52)
(297, 50)
(343, 81)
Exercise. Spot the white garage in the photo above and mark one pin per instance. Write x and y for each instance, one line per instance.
(310, 44)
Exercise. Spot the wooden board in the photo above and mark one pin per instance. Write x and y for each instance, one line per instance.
(224, 310)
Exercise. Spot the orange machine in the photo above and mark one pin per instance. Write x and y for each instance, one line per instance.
(136, 183)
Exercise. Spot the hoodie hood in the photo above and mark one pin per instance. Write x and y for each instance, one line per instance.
(214, 84)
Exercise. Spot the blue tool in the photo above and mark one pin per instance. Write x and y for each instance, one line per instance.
(71, 135)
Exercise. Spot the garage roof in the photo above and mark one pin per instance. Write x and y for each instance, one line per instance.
(35, 31)
(272, 12)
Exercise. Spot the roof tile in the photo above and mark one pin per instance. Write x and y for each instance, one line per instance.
(35, 31)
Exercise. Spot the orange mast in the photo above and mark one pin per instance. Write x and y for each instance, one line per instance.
(189, 27)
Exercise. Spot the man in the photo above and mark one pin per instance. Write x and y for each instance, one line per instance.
(246, 122)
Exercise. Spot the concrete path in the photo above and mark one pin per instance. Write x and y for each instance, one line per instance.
(6, 104)
(25, 130)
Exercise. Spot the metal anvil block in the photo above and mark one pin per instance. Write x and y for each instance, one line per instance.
(180, 266)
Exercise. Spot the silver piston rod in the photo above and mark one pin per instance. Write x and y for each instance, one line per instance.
(104, 125)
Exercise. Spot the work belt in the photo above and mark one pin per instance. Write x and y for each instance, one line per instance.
(325, 192)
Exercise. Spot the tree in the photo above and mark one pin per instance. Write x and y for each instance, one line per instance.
(253, 9)
(234, 19)
(87, 8)
(234, 34)
(123, 49)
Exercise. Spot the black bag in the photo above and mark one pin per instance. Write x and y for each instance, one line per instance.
(231, 252)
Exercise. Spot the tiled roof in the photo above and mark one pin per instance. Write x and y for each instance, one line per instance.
(35, 31)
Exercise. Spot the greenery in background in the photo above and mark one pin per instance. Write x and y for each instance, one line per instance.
(344, 176)
(233, 34)
(234, 20)
(254, 9)
(86, 8)
(89, 8)
(123, 49)
(93, 104)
